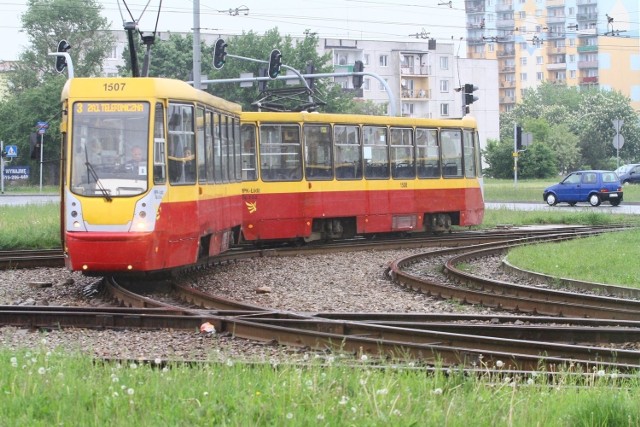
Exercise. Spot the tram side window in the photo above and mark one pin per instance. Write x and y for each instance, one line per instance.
(317, 152)
(348, 152)
(231, 162)
(159, 147)
(208, 147)
(224, 143)
(375, 152)
(248, 133)
(402, 164)
(217, 148)
(469, 153)
(427, 153)
(181, 144)
(200, 144)
(280, 153)
(451, 140)
(237, 144)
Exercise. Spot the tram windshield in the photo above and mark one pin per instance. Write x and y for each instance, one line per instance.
(109, 148)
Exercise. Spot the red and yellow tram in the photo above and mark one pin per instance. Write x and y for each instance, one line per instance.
(316, 176)
(152, 174)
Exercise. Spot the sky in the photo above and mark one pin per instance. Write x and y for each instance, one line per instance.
(360, 19)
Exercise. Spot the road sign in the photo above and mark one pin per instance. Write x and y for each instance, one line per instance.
(42, 127)
(617, 124)
(618, 141)
(12, 151)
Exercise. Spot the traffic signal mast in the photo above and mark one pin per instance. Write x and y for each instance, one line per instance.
(468, 97)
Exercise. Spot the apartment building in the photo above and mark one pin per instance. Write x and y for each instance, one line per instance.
(586, 43)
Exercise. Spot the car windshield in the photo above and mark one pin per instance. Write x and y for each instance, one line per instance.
(109, 148)
(622, 169)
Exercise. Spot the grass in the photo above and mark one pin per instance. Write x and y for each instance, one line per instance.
(30, 227)
(615, 263)
(43, 388)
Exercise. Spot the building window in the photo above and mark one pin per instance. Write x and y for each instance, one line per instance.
(572, 11)
(444, 109)
(523, 14)
(365, 59)
(381, 85)
(444, 62)
(523, 77)
(523, 45)
(444, 85)
(572, 74)
(366, 84)
(539, 60)
(383, 60)
(523, 61)
(572, 58)
(491, 47)
(539, 76)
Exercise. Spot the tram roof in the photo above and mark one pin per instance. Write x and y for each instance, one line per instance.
(314, 117)
(136, 88)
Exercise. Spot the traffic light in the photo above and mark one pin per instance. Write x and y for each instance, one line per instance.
(518, 138)
(275, 61)
(311, 82)
(219, 54)
(469, 97)
(357, 80)
(61, 62)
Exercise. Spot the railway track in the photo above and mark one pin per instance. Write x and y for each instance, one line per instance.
(525, 342)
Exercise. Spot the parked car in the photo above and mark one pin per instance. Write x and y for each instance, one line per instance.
(593, 186)
(629, 174)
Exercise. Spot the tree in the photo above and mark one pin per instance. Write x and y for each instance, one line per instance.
(34, 86)
(173, 58)
(46, 22)
(498, 155)
(576, 123)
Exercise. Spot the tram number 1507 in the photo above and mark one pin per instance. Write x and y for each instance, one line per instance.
(114, 87)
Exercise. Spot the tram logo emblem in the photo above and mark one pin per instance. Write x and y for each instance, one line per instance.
(251, 206)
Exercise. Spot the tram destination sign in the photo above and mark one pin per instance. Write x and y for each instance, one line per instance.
(15, 173)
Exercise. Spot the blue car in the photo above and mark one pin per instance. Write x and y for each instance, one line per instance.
(593, 186)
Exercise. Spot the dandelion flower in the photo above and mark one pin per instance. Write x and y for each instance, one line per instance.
(133, 365)
(614, 375)
(289, 415)
(343, 400)
(130, 391)
(437, 391)
(601, 373)
(157, 361)
(382, 391)
(229, 362)
(42, 370)
(364, 357)
(320, 417)
(499, 363)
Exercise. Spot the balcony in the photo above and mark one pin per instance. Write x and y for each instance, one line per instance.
(504, 7)
(416, 94)
(588, 64)
(506, 53)
(415, 70)
(556, 19)
(557, 66)
(507, 100)
(508, 69)
(555, 3)
(505, 23)
(507, 83)
(590, 48)
(587, 16)
(589, 80)
(556, 50)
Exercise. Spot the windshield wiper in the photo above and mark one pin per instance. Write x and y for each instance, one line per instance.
(94, 175)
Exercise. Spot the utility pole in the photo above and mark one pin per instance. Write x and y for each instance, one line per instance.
(196, 44)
